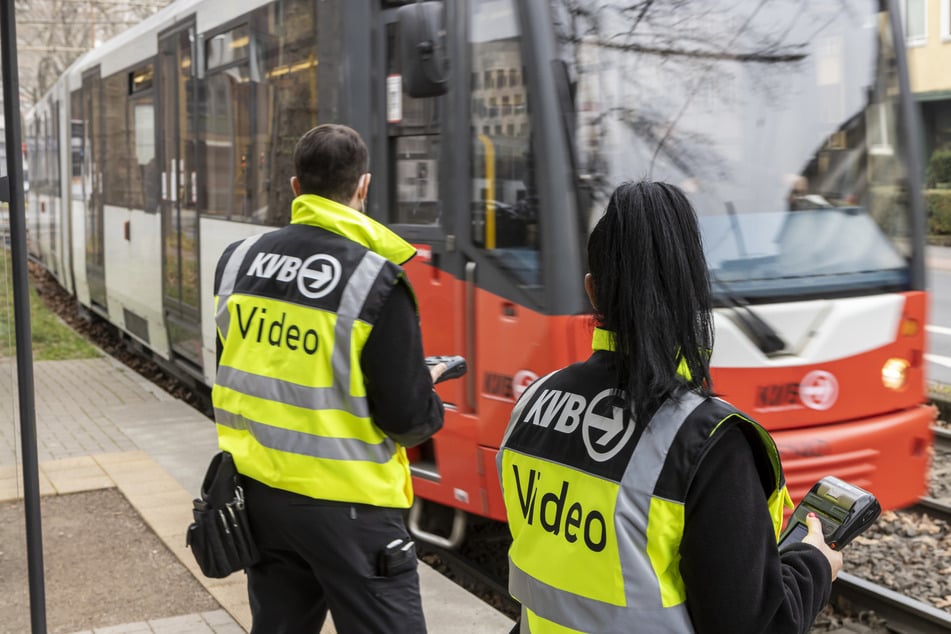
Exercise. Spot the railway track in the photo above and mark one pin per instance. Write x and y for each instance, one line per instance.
(903, 614)
(935, 507)
(942, 438)
(852, 594)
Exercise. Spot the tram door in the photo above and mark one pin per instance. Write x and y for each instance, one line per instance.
(180, 261)
(92, 189)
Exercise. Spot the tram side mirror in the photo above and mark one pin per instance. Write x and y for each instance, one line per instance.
(422, 49)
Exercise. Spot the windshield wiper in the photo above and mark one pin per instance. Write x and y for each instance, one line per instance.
(759, 332)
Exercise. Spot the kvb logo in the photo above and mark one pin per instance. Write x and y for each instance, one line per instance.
(606, 433)
(316, 276)
(819, 390)
(605, 429)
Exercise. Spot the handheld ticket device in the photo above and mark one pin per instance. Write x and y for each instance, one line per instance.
(455, 366)
(844, 509)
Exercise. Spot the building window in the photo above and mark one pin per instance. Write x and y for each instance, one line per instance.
(946, 20)
(916, 21)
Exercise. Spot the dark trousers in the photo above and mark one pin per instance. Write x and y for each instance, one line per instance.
(318, 555)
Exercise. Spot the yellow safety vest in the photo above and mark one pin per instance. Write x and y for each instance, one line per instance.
(595, 503)
(293, 310)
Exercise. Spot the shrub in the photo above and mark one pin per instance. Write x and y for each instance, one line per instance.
(938, 204)
(939, 167)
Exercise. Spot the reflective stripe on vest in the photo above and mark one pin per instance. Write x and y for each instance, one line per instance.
(316, 440)
(309, 444)
(631, 574)
(228, 278)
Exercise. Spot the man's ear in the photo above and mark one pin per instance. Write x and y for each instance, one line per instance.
(363, 187)
(295, 185)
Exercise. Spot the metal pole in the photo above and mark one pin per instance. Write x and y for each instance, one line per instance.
(21, 311)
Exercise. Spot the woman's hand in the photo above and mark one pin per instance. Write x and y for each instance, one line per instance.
(815, 538)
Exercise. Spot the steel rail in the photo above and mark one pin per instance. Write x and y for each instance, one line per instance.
(942, 437)
(904, 615)
(932, 507)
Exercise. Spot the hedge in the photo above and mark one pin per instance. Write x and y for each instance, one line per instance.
(939, 167)
(887, 206)
(938, 204)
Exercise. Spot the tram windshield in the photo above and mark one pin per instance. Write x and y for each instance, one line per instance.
(780, 120)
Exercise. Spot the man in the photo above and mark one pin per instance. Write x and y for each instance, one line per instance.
(321, 384)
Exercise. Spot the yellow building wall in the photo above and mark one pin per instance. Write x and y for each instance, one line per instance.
(930, 62)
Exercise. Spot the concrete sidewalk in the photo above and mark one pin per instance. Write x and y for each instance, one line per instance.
(100, 425)
(938, 258)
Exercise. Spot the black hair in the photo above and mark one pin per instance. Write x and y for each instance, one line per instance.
(329, 161)
(653, 292)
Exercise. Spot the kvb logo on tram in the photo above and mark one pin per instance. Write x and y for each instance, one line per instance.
(819, 390)
(316, 276)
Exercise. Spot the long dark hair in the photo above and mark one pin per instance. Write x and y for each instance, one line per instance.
(652, 291)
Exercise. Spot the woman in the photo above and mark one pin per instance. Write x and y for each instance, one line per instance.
(637, 501)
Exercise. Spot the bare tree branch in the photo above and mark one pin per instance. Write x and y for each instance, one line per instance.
(51, 34)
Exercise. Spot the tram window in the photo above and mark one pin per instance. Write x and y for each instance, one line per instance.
(225, 141)
(505, 206)
(258, 103)
(51, 152)
(39, 175)
(229, 47)
(417, 190)
(144, 179)
(44, 152)
(141, 80)
(118, 154)
(414, 151)
(76, 126)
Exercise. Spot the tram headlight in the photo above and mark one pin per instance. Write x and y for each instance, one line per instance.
(895, 373)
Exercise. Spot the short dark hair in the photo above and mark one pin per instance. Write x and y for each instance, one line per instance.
(329, 161)
(653, 292)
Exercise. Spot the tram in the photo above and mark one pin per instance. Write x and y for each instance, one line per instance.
(497, 129)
